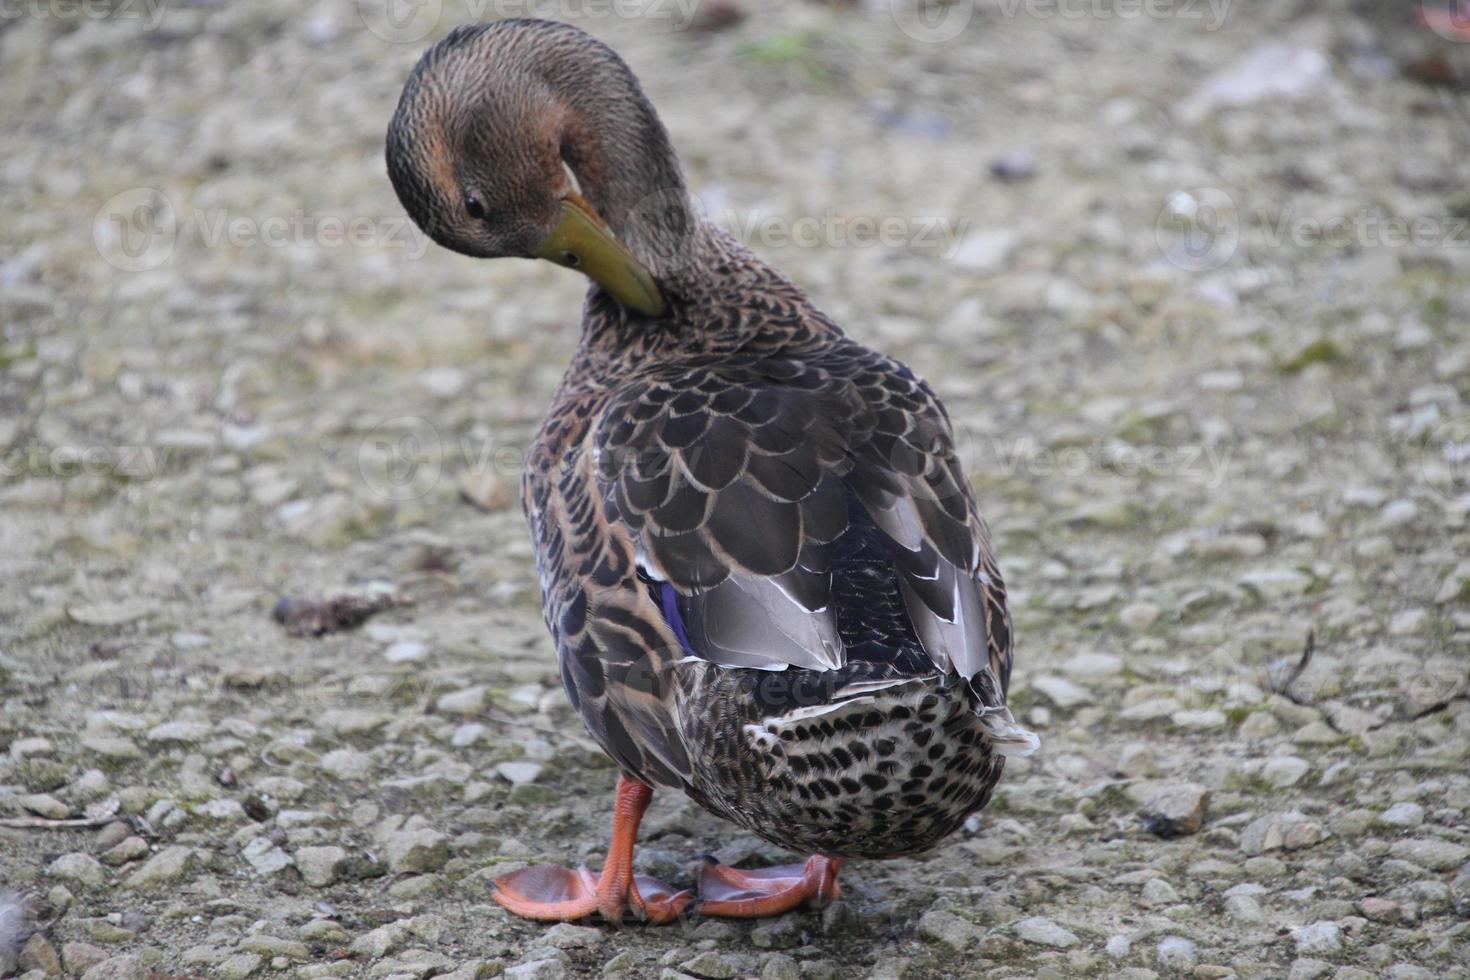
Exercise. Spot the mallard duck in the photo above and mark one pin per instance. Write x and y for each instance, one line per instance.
(765, 574)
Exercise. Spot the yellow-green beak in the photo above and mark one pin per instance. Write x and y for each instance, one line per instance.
(581, 241)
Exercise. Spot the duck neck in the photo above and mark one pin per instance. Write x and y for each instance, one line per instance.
(625, 165)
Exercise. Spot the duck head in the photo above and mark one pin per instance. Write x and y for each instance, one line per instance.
(499, 126)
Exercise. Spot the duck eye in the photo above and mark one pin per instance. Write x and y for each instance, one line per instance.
(570, 259)
(474, 207)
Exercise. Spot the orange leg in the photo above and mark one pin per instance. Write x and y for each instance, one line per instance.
(768, 891)
(553, 894)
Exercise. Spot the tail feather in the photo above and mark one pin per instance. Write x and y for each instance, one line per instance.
(1004, 735)
(1001, 731)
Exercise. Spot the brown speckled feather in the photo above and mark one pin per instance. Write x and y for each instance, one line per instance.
(762, 565)
(722, 461)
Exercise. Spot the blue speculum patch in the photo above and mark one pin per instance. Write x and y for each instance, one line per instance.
(669, 599)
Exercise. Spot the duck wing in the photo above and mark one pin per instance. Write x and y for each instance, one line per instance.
(805, 512)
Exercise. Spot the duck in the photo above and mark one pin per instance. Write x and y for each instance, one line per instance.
(763, 568)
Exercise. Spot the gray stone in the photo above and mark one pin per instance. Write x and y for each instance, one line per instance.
(77, 957)
(406, 651)
(239, 966)
(1402, 815)
(129, 967)
(565, 935)
(1062, 692)
(1456, 586)
(781, 933)
(274, 946)
(1137, 760)
(779, 966)
(986, 249)
(1277, 831)
(1157, 891)
(1176, 810)
(178, 733)
(416, 850)
(346, 764)
(1044, 932)
(265, 857)
(1203, 719)
(1436, 855)
(1139, 616)
(163, 868)
(223, 811)
(77, 869)
(1244, 909)
(28, 748)
(470, 701)
(710, 964)
(113, 748)
(1284, 771)
(1176, 953)
(1317, 939)
(381, 941)
(549, 969)
(950, 929)
(38, 954)
(320, 866)
(45, 805)
(1272, 584)
(519, 773)
(1308, 968)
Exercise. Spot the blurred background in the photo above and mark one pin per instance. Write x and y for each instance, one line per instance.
(1193, 277)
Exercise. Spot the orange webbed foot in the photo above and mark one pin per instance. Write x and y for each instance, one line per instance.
(548, 893)
(731, 892)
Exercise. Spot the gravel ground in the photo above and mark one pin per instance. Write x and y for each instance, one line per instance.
(1214, 402)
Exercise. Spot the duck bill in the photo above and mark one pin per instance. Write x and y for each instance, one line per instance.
(581, 241)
